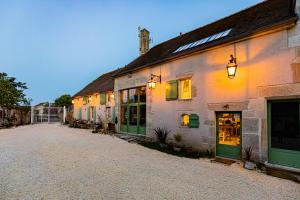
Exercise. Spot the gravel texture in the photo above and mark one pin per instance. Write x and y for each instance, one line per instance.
(57, 162)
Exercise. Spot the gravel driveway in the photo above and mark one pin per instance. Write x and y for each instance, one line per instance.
(56, 162)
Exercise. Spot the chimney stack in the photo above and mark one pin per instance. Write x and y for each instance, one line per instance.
(144, 36)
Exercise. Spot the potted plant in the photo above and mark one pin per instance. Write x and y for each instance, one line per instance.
(248, 164)
(178, 139)
(161, 136)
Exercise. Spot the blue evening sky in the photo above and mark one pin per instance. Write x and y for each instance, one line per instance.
(58, 46)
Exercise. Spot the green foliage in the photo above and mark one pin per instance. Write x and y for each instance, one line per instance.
(161, 134)
(12, 92)
(63, 100)
(178, 137)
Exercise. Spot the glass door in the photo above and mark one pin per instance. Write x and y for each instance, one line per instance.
(133, 110)
(228, 135)
(284, 132)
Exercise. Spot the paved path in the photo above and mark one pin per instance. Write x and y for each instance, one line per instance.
(56, 162)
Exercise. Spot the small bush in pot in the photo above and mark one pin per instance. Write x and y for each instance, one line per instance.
(248, 164)
(161, 135)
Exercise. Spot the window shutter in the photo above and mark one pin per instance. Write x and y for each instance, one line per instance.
(194, 121)
(171, 90)
(84, 100)
(102, 98)
(113, 115)
(95, 114)
(88, 114)
(80, 113)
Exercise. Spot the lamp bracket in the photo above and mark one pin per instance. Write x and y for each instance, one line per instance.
(156, 77)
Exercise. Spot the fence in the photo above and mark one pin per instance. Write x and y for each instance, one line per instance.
(42, 114)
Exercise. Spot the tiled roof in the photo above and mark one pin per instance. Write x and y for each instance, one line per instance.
(103, 83)
(260, 17)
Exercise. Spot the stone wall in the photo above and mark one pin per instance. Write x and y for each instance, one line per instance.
(266, 69)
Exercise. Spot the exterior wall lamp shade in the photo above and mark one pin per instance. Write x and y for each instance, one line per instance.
(231, 67)
(73, 102)
(153, 80)
(151, 83)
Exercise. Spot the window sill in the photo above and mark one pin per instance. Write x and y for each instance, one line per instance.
(185, 99)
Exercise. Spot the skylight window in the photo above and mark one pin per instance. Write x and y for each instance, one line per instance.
(203, 40)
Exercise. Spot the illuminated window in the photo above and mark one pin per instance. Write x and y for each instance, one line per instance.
(185, 89)
(185, 119)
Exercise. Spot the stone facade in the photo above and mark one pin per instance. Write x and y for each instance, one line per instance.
(268, 68)
(102, 111)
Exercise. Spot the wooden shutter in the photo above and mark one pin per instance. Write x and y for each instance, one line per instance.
(113, 118)
(80, 113)
(171, 90)
(95, 114)
(88, 114)
(193, 121)
(84, 100)
(102, 98)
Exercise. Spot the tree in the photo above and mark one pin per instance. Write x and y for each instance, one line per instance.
(63, 100)
(12, 92)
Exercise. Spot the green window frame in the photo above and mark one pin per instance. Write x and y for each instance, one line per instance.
(102, 98)
(172, 90)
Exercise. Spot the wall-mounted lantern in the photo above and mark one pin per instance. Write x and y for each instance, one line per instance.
(112, 95)
(231, 67)
(153, 80)
(73, 102)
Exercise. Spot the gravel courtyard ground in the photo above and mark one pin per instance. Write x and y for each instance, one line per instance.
(57, 162)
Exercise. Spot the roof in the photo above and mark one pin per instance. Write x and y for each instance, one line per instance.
(258, 18)
(103, 83)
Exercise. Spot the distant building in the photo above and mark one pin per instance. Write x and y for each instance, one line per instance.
(95, 103)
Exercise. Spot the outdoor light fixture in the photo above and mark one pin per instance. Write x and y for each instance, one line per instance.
(73, 102)
(231, 67)
(112, 95)
(153, 80)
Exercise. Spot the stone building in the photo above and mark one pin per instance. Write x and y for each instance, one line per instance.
(229, 85)
(95, 102)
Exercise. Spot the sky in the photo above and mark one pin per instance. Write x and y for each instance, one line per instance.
(59, 46)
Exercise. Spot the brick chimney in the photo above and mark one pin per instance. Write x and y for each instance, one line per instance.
(144, 36)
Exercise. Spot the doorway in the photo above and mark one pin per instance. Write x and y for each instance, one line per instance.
(284, 132)
(133, 110)
(228, 136)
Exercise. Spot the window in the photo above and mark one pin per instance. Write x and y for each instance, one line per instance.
(285, 125)
(203, 40)
(133, 95)
(185, 119)
(124, 96)
(185, 89)
(102, 98)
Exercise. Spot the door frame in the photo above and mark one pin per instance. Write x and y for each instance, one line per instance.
(285, 155)
(227, 147)
(138, 129)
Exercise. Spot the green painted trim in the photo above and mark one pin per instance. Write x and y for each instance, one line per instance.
(102, 98)
(172, 90)
(227, 151)
(281, 156)
(95, 114)
(88, 114)
(131, 129)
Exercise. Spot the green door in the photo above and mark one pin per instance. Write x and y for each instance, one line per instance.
(133, 110)
(284, 132)
(228, 137)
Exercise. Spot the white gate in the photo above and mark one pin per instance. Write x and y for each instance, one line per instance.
(43, 114)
